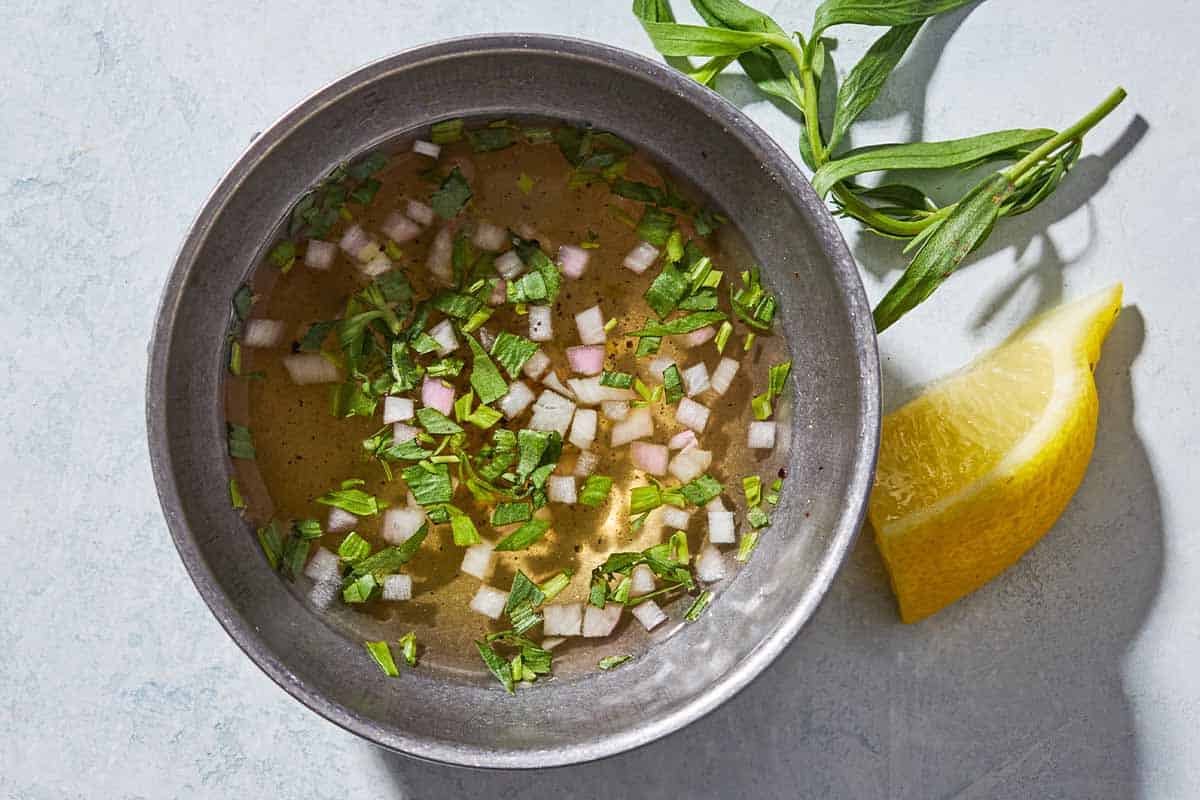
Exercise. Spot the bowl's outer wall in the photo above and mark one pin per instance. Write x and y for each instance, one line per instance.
(834, 410)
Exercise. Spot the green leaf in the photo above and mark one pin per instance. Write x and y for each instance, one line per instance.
(295, 554)
(316, 335)
(388, 560)
(451, 195)
(283, 255)
(448, 367)
(360, 589)
(595, 490)
(752, 488)
(241, 443)
(681, 325)
(655, 226)
(486, 380)
(463, 528)
(271, 543)
(408, 647)
(509, 513)
(551, 588)
(367, 166)
(752, 303)
(746, 546)
(447, 131)
(353, 548)
(235, 495)
(672, 39)
(485, 140)
(436, 422)
(243, 300)
(941, 254)
(698, 606)
(512, 351)
(496, 665)
(616, 380)
(700, 491)
(541, 282)
(429, 483)
(483, 417)
(672, 385)
(456, 304)
(523, 537)
(356, 501)
(668, 288)
(865, 81)
(757, 517)
(648, 346)
(879, 12)
(382, 655)
(612, 662)
(924, 155)
(777, 376)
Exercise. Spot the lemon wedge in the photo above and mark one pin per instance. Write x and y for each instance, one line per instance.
(977, 468)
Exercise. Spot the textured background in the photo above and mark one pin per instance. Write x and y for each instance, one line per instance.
(1073, 675)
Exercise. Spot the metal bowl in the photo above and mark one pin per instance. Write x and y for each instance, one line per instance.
(833, 436)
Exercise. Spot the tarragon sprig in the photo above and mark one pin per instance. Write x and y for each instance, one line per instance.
(789, 67)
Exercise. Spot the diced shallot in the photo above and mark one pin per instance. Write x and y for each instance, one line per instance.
(518, 398)
(692, 414)
(305, 368)
(397, 409)
(418, 212)
(264, 333)
(573, 260)
(398, 587)
(695, 379)
(440, 251)
(540, 327)
(399, 524)
(641, 257)
(720, 527)
(323, 566)
(583, 428)
(651, 458)
(436, 393)
(399, 228)
(323, 593)
(499, 294)
(722, 376)
(489, 601)
(638, 425)
(761, 436)
(354, 241)
(615, 410)
(690, 463)
(676, 518)
(586, 463)
(586, 359)
(509, 265)
(682, 440)
(561, 489)
(477, 560)
(710, 564)
(649, 614)
(490, 237)
(443, 334)
(537, 365)
(590, 323)
(716, 504)
(552, 412)
(403, 432)
(340, 520)
(601, 621)
(562, 619)
(641, 581)
(319, 255)
(427, 148)
(698, 337)
(590, 392)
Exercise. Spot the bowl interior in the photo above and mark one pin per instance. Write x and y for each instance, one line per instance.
(833, 412)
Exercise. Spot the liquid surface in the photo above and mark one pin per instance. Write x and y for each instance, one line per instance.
(303, 451)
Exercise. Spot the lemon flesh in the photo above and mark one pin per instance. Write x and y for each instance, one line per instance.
(975, 470)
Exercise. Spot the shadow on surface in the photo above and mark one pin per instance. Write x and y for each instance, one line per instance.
(1014, 692)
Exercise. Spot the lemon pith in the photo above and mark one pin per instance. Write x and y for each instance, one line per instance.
(975, 470)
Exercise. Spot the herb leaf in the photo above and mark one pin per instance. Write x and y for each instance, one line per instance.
(526, 535)
(864, 82)
(382, 654)
(512, 351)
(595, 490)
(356, 501)
(509, 513)
(436, 422)
(681, 325)
(451, 195)
(390, 559)
(879, 12)
(612, 662)
(496, 665)
(241, 443)
(429, 483)
(485, 378)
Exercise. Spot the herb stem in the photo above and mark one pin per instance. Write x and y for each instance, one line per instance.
(1076, 131)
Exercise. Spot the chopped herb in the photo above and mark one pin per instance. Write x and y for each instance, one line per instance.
(773, 499)
(598, 594)
(672, 385)
(271, 543)
(423, 343)
(523, 598)
(643, 391)
(307, 529)
(746, 546)
(678, 546)
(525, 183)
(235, 495)
(484, 140)
(365, 192)
(353, 548)
(395, 288)
(405, 373)
(752, 303)
(360, 589)
(616, 380)
(552, 588)
(436, 422)
(761, 404)
(512, 351)
(295, 554)
(382, 654)
(539, 135)
(451, 195)
(706, 221)
(752, 488)
(408, 647)
(485, 378)
(500, 668)
(681, 325)
(648, 346)
(757, 517)
(542, 280)
(367, 166)
(456, 304)
(315, 336)
(352, 399)
(595, 490)
(243, 299)
(235, 357)
(612, 662)
(448, 367)
(283, 255)
(674, 245)
(702, 490)
(536, 449)
(749, 341)
(668, 288)
(393, 251)
(698, 606)
(509, 513)
(647, 498)
(483, 417)
(723, 334)
(429, 483)
(621, 593)
(356, 501)
(390, 559)
(777, 377)
(704, 300)
(655, 226)
(241, 443)
(462, 528)
(447, 131)
(523, 537)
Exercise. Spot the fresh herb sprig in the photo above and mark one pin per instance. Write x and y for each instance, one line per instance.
(789, 68)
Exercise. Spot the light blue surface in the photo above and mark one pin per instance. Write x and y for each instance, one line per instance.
(1073, 675)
